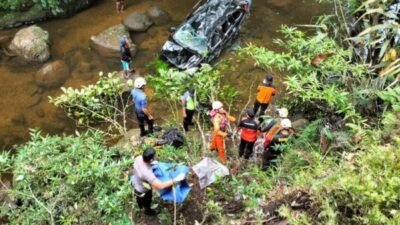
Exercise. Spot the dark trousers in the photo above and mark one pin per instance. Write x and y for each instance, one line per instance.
(246, 148)
(142, 118)
(261, 106)
(188, 119)
(144, 199)
(269, 158)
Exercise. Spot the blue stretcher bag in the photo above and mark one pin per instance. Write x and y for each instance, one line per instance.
(167, 171)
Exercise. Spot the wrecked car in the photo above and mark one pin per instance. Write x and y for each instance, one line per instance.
(207, 30)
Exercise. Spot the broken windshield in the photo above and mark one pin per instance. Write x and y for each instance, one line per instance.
(188, 38)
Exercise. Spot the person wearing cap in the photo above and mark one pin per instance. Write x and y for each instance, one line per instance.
(142, 112)
(144, 180)
(188, 107)
(126, 57)
(265, 91)
(281, 136)
(220, 119)
(248, 136)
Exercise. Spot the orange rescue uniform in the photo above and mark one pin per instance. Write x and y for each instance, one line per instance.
(220, 121)
(264, 93)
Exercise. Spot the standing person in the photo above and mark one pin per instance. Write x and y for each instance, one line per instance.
(142, 112)
(126, 57)
(281, 136)
(188, 107)
(220, 119)
(265, 91)
(120, 4)
(143, 173)
(249, 128)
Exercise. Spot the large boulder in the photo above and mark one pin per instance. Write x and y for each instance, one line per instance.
(132, 139)
(138, 22)
(159, 16)
(107, 42)
(300, 124)
(32, 43)
(52, 75)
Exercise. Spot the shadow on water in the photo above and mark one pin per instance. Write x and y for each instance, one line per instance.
(24, 105)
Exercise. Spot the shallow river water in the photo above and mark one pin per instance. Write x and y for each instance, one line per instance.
(23, 105)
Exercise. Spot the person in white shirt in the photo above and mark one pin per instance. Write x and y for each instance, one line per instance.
(143, 173)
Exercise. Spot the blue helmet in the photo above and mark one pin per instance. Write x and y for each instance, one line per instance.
(122, 40)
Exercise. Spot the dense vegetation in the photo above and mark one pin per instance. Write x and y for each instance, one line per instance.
(67, 180)
(342, 169)
(54, 6)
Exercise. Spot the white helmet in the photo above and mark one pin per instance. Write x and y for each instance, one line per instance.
(217, 105)
(286, 123)
(283, 112)
(140, 82)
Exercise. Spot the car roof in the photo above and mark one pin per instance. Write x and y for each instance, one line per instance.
(211, 14)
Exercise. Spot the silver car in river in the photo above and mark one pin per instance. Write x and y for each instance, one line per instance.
(207, 30)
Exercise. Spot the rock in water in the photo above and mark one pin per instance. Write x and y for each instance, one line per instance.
(32, 43)
(138, 22)
(159, 16)
(107, 42)
(52, 75)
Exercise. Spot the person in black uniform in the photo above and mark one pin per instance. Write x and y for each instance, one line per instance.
(248, 137)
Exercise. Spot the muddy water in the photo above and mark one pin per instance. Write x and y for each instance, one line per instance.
(23, 105)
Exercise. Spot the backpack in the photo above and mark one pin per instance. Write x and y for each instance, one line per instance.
(173, 137)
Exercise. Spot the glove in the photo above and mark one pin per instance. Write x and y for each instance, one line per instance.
(155, 162)
(179, 178)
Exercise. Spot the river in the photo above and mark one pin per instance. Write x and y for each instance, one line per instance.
(23, 105)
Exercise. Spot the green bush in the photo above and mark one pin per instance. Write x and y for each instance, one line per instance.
(329, 87)
(54, 6)
(67, 180)
(102, 102)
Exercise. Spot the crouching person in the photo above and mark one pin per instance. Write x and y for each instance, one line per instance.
(278, 134)
(143, 174)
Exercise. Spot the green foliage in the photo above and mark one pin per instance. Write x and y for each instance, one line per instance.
(5, 161)
(98, 103)
(328, 86)
(392, 97)
(370, 30)
(69, 180)
(14, 5)
(54, 6)
(169, 85)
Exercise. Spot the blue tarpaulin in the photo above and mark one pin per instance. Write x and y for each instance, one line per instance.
(166, 172)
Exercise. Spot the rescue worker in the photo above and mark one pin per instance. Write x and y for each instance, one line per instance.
(126, 58)
(188, 107)
(279, 133)
(265, 91)
(142, 112)
(248, 136)
(143, 174)
(283, 113)
(220, 119)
